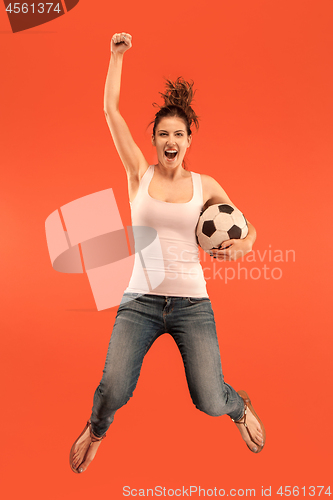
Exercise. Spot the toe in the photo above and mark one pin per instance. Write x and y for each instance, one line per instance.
(250, 444)
(83, 467)
(257, 438)
(253, 445)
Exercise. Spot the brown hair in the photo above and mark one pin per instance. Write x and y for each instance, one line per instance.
(177, 102)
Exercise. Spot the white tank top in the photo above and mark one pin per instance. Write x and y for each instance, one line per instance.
(171, 265)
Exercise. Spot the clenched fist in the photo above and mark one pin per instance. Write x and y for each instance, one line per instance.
(121, 42)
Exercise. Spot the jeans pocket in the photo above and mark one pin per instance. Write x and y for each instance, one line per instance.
(197, 300)
(128, 297)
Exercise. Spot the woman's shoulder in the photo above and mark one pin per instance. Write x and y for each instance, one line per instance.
(209, 182)
(213, 191)
(207, 178)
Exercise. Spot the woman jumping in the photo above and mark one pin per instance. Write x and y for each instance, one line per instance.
(169, 199)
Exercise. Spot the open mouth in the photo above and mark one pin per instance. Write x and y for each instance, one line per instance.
(171, 153)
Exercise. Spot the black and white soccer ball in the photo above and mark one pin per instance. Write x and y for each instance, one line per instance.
(219, 223)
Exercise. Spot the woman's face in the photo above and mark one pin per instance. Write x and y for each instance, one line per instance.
(171, 141)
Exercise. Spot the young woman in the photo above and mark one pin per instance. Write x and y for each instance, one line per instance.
(169, 199)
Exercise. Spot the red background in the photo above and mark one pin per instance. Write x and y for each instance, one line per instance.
(263, 71)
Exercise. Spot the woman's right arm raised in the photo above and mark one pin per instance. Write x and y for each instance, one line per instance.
(133, 160)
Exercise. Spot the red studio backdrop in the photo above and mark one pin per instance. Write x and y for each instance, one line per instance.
(263, 74)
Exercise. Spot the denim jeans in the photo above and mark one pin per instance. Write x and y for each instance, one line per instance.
(140, 320)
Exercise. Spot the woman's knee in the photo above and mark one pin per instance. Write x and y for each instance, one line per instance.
(212, 408)
(112, 396)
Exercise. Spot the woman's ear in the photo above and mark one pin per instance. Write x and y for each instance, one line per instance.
(189, 139)
(153, 139)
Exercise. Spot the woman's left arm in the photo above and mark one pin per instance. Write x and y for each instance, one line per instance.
(230, 249)
(236, 249)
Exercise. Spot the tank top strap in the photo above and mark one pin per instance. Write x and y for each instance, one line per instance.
(197, 189)
(146, 178)
(143, 185)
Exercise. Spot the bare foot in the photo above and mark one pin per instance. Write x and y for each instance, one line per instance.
(250, 427)
(84, 450)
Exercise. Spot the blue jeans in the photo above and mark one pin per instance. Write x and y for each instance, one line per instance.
(140, 320)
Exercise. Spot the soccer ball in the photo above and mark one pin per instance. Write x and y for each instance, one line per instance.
(219, 223)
